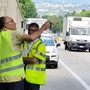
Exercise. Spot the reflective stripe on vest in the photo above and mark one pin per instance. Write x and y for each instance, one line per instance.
(36, 68)
(30, 44)
(41, 54)
(12, 68)
(41, 62)
(10, 58)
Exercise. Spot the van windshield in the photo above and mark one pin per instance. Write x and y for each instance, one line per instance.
(48, 40)
(80, 31)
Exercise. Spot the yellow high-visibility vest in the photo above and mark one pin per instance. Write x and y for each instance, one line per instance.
(11, 63)
(36, 73)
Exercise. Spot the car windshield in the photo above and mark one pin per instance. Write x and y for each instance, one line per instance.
(48, 40)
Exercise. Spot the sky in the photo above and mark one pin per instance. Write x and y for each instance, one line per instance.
(67, 1)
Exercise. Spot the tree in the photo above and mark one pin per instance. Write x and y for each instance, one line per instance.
(31, 12)
(24, 4)
(27, 6)
(84, 13)
(56, 23)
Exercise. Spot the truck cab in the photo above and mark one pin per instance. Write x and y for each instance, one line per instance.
(76, 33)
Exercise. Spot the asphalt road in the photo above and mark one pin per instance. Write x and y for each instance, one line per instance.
(73, 72)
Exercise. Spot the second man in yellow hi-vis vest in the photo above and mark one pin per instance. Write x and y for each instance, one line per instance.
(35, 62)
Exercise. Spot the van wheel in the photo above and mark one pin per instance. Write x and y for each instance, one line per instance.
(70, 48)
(66, 47)
(89, 50)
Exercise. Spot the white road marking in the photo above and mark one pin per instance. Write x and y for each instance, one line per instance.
(76, 76)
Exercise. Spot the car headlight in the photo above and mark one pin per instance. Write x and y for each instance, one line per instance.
(88, 41)
(73, 39)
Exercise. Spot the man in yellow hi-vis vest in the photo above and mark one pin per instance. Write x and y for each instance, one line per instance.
(36, 62)
(11, 63)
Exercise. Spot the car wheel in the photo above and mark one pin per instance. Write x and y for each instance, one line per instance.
(70, 48)
(56, 65)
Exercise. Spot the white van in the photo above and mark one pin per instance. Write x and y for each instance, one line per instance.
(51, 50)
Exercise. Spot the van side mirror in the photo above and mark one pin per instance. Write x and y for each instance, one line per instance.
(50, 25)
(58, 44)
(27, 26)
(67, 33)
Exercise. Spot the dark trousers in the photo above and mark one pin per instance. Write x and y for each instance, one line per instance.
(12, 86)
(30, 86)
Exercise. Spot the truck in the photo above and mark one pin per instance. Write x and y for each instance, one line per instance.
(39, 21)
(76, 33)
